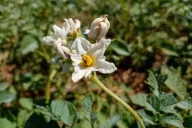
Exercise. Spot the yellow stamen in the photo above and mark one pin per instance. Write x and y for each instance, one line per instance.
(87, 60)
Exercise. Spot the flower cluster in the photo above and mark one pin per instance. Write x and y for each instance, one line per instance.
(86, 57)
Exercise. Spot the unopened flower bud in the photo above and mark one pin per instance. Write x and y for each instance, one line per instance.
(99, 28)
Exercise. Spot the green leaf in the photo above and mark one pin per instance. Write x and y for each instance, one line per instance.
(147, 116)
(139, 99)
(26, 103)
(167, 100)
(155, 102)
(120, 48)
(155, 81)
(186, 104)
(93, 117)
(3, 86)
(65, 111)
(113, 120)
(172, 121)
(169, 52)
(175, 82)
(6, 97)
(23, 116)
(87, 104)
(5, 123)
(28, 44)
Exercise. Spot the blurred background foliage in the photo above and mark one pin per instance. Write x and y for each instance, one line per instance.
(148, 34)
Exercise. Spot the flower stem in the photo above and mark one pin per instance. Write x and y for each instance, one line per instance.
(48, 86)
(134, 113)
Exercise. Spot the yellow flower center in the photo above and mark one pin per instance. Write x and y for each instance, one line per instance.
(87, 60)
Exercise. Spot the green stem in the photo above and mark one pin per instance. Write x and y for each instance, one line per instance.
(95, 79)
(48, 86)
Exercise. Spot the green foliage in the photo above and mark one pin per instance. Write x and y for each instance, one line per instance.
(6, 97)
(175, 82)
(146, 35)
(4, 123)
(64, 111)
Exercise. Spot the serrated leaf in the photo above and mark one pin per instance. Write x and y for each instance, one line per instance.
(26, 103)
(186, 104)
(175, 82)
(93, 117)
(167, 100)
(172, 121)
(147, 116)
(155, 102)
(139, 99)
(87, 103)
(5, 123)
(3, 86)
(6, 97)
(120, 48)
(155, 81)
(64, 111)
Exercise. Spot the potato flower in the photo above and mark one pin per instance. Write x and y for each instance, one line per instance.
(89, 57)
(58, 39)
(99, 28)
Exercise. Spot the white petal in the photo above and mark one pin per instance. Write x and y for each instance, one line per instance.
(104, 29)
(99, 48)
(96, 22)
(78, 74)
(59, 33)
(60, 51)
(94, 32)
(48, 40)
(88, 71)
(65, 49)
(72, 24)
(76, 59)
(105, 67)
(66, 25)
(77, 24)
(81, 45)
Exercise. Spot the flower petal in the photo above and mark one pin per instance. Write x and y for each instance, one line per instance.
(81, 45)
(78, 74)
(66, 25)
(59, 33)
(48, 40)
(77, 24)
(99, 48)
(105, 67)
(93, 33)
(103, 30)
(76, 59)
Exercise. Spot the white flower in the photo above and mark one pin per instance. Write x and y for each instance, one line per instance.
(74, 25)
(58, 39)
(89, 57)
(99, 28)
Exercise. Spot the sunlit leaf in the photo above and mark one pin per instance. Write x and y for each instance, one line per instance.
(65, 111)
(175, 82)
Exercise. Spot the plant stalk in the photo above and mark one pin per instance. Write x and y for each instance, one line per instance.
(48, 86)
(133, 112)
